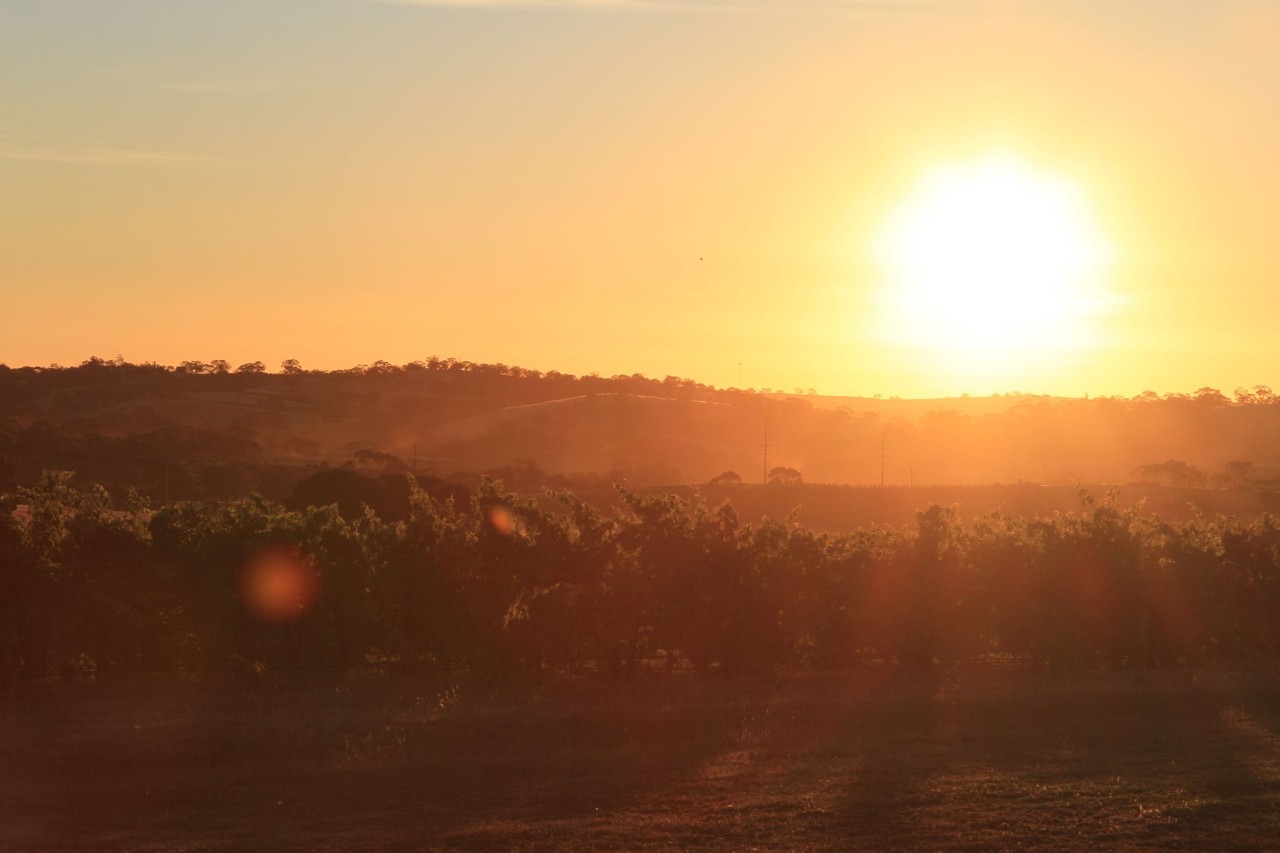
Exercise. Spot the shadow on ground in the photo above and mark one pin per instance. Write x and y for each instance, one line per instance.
(871, 759)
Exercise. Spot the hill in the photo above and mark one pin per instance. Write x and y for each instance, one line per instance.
(205, 430)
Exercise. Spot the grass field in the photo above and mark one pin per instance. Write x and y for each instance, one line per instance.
(976, 759)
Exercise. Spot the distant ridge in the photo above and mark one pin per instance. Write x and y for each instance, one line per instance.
(209, 430)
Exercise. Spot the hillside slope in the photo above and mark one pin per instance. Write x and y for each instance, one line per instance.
(159, 427)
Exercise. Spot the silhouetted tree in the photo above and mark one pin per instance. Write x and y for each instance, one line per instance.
(1238, 472)
(1211, 396)
(349, 491)
(1174, 472)
(784, 476)
(386, 461)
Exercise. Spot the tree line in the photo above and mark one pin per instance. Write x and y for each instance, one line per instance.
(17, 381)
(490, 583)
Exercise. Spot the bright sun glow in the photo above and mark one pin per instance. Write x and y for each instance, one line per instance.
(993, 259)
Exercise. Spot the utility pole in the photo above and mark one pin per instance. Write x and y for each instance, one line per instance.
(882, 458)
(765, 470)
(739, 376)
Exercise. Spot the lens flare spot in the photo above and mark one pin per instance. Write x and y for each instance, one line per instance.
(505, 522)
(278, 585)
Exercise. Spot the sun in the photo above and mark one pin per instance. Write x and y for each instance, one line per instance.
(992, 260)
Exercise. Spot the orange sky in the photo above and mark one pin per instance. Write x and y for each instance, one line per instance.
(665, 188)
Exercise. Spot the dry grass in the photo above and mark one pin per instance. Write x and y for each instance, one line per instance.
(981, 759)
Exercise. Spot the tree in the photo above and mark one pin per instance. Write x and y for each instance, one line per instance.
(291, 367)
(784, 476)
(727, 478)
(349, 491)
(252, 367)
(1238, 472)
(1258, 395)
(386, 461)
(1211, 396)
(1174, 472)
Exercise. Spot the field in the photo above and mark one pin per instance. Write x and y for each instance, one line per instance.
(979, 758)
(842, 509)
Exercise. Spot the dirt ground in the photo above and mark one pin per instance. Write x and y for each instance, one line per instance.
(978, 759)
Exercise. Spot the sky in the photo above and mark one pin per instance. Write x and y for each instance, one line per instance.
(667, 187)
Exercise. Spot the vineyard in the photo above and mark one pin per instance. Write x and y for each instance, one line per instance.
(496, 584)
